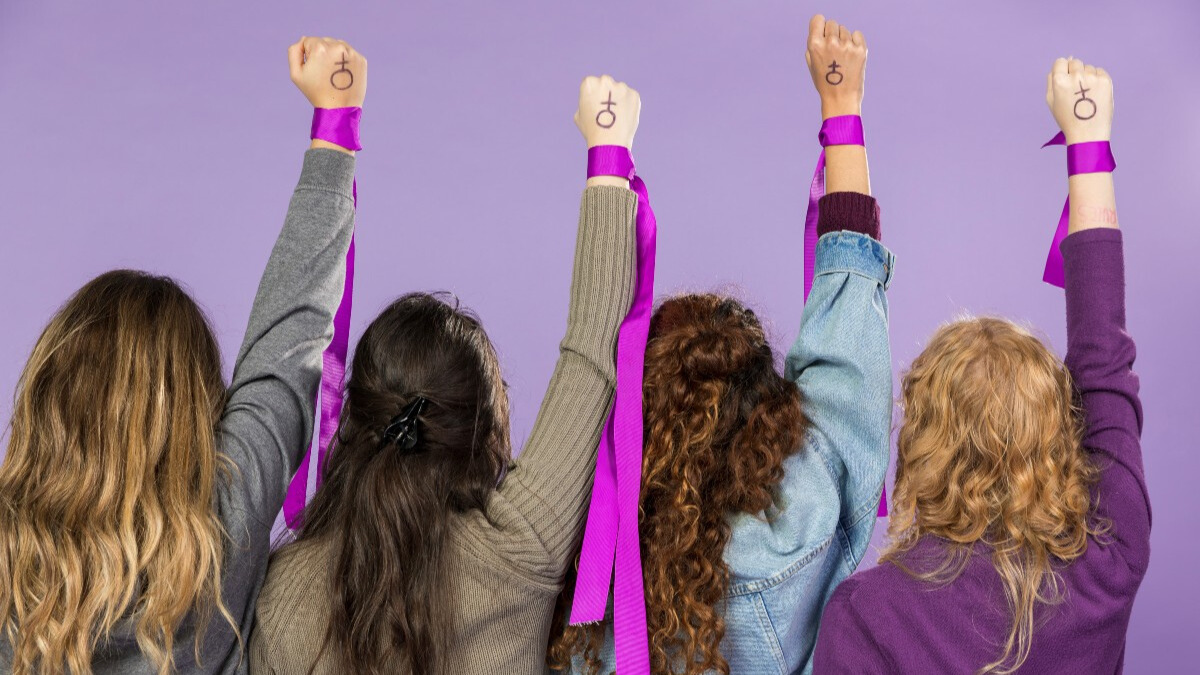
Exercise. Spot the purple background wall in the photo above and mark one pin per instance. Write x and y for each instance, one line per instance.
(168, 137)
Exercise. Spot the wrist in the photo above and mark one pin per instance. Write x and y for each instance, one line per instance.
(610, 165)
(336, 129)
(593, 142)
(836, 108)
(1082, 136)
(614, 181)
(318, 143)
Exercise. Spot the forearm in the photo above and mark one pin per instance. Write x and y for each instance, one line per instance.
(552, 480)
(846, 169)
(270, 410)
(305, 274)
(841, 361)
(1100, 352)
(608, 181)
(1093, 201)
(845, 165)
(1100, 356)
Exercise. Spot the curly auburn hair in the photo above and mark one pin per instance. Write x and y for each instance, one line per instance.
(719, 422)
(991, 451)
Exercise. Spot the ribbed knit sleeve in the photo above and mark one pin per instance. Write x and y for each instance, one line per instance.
(852, 211)
(540, 508)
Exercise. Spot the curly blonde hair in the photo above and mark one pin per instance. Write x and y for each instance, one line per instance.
(719, 422)
(991, 451)
(107, 493)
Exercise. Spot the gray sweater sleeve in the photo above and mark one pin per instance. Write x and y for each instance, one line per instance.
(541, 506)
(269, 416)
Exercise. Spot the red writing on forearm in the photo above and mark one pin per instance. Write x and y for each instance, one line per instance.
(1096, 214)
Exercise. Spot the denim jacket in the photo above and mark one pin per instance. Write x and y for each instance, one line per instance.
(785, 566)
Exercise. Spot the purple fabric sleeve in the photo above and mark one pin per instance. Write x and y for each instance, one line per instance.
(881, 620)
(1100, 355)
(852, 211)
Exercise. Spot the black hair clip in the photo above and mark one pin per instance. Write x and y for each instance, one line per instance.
(403, 430)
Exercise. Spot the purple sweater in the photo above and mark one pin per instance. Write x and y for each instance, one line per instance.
(882, 620)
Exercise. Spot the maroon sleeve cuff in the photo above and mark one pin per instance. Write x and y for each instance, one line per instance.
(852, 211)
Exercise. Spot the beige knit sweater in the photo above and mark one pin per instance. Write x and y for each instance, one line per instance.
(507, 576)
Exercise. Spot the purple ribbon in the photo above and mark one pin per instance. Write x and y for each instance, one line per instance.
(611, 534)
(1090, 157)
(840, 130)
(340, 127)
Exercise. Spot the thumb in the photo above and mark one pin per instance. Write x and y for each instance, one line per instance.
(296, 59)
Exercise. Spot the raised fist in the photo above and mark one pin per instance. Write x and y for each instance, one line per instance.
(608, 112)
(328, 72)
(1081, 99)
(837, 61)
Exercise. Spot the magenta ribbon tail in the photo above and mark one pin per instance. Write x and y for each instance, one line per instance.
(815, 192)
(1053, 274)
(600, 537)
(611, 541)
(339, 126)
(333, 372)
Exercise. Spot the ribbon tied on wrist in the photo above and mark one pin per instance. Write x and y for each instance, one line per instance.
(1090, 157)
(611, 534)
(340, 127)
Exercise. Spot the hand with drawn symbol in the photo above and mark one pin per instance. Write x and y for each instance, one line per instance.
(1081, 99)
(608, 112)
(837, 61)
(330, 73)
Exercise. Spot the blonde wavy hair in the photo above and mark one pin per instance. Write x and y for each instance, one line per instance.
(991, 451)
(107, 491)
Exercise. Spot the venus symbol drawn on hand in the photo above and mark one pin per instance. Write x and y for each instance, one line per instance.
(1084, 99)
(348, 77)
(612, 116)
(833, 70)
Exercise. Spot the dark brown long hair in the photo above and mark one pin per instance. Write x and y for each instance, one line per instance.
(386, 512)
(719, 421)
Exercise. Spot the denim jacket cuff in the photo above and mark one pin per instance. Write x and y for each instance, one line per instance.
(855, 253)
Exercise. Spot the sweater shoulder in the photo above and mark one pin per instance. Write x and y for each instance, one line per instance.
(883, 580)
(293, 610)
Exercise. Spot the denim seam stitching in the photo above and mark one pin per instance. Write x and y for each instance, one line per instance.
(760, 585)
(760, 607)
(862, 511)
